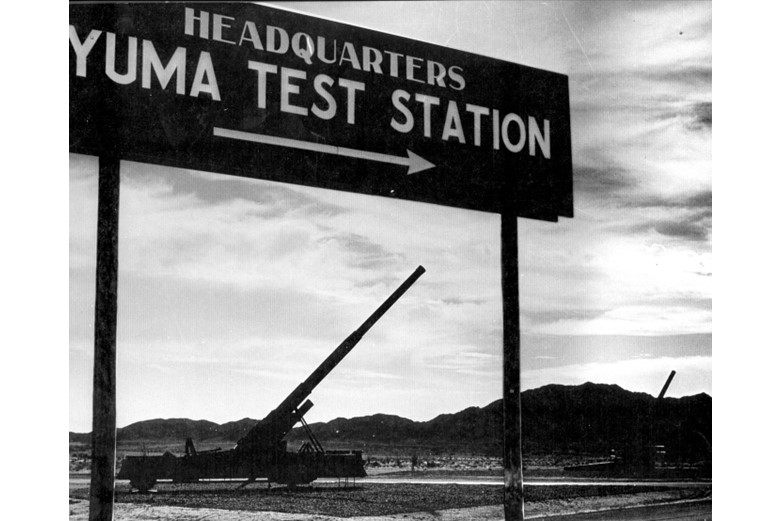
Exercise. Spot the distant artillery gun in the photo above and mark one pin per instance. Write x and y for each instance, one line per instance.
(665, 387)
(262, 452)
(640, 457)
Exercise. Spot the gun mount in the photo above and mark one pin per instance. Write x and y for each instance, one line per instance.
(262, 452)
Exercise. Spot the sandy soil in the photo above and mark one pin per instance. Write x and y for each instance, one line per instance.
(79, 510)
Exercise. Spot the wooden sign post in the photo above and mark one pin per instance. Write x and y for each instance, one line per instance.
(104, 414)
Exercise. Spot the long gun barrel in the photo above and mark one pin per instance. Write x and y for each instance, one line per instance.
(278, 423)
(666, 385)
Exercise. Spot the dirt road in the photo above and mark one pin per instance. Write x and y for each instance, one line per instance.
(684, 511)
(420, 501)
(691, 511)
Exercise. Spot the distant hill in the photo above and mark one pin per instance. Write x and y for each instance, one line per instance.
(598, 417)
(588, 418)
(179, 428)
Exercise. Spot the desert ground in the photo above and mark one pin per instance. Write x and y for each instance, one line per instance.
(446, 488)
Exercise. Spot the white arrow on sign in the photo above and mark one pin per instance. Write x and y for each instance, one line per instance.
(414, 162)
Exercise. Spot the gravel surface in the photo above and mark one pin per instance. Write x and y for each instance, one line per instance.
(370, 499)
(362, 500)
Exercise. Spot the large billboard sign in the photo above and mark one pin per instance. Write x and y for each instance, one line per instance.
(260, 92)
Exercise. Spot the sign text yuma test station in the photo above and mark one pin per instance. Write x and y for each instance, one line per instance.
(267, 93)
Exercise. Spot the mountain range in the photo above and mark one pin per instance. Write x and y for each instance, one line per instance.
(583, 419)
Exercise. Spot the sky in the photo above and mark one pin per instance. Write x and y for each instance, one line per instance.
(232, 290)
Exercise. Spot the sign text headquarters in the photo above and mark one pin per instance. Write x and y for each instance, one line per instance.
(333, 97)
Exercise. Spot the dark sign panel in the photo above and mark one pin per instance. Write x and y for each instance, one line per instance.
(266, 93)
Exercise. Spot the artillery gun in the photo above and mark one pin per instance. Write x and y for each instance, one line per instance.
(640, 455)
(262, 452)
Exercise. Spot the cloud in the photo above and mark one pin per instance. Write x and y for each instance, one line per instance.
(691, 226)
(362, 252)
(655, 36)
(695, 117)
(464, 363)
(540, 317)
(202, 189)
(458, 301)
(694, 230)
(541, 351)
(689, 219)
(641, 106)
(647, 319)
(702, 199)
(695, 75)
(82, 212)
(702, 114)
(245, 233)
(604, 181)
